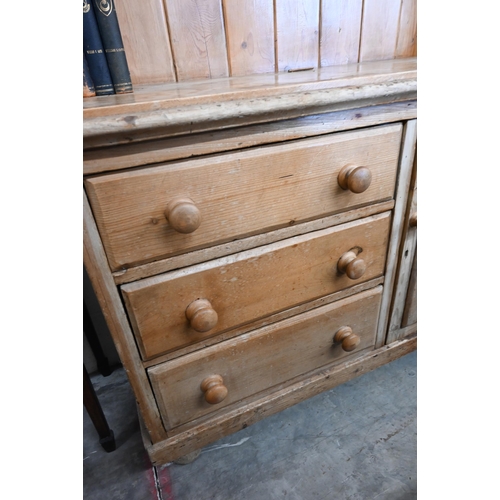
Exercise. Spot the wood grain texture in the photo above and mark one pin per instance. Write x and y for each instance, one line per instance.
(207, 430)
(250, 36)
(114, 314)
(198, 39)
(410, 311)
(264, 358)
(121, 218)
(340, 31)
(407, 36)
(130, 155)
(379, 30)
(297, 34)
(175, 109)
(256, 191)
(216, 251)
(406, 264)
(143, 27)
(268, 320)
(398, 225)
(253, 284)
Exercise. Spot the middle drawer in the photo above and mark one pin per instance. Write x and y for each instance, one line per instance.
(183, 307)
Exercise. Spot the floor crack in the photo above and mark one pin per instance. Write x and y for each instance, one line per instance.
(157, 484)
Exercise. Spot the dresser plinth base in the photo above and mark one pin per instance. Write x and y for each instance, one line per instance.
(192, 439)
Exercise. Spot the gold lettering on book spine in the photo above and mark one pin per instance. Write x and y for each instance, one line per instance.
(105, 6)
(86, 6)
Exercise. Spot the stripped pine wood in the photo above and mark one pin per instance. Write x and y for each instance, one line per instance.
(106, 292)
(260, 360)
(198, 40)
(379, 29)
(227, 421)
(252, 284)
(269, 320)
(297, 34)
(205, 39)
(175, 109)
(402, 188)
(407, 36)
(215, 251)
(340, 32)
(250, 36)
(143, 28)
(130, 155)
(410, 312)
(406, 264)
(257, 191)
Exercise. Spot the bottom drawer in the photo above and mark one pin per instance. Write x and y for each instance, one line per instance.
(202, 382)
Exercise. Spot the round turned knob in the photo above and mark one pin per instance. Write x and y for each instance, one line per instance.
(413, 220)
(214, 389)
(201, 315)
(351, 265)
(347, 338)
(183, 215)
(355, 179)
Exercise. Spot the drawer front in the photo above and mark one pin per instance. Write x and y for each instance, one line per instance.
(254, 284)
(235, 195)
(263, 359)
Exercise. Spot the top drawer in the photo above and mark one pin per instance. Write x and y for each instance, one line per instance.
(237, 194)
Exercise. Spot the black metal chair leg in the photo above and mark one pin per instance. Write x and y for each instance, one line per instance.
(93, 407)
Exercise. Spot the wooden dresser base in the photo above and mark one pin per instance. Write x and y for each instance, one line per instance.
(198, 436)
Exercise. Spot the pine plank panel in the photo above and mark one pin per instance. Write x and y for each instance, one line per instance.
(250, 36)
(379, 29)
(253, 284)
(408, 151)
(264, 358)
(198, 39)
(407, 36)
(406, 262)
(410, 312)
(256, 191)
(340, 31)
(143, 26)
(297, 34)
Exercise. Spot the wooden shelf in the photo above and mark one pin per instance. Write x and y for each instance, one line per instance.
(155, 111)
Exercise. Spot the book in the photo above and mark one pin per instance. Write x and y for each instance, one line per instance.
(94, 52)
(88, 83)
(107, 20)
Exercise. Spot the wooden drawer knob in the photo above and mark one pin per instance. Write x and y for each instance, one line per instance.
(413, 220)
(214, 389)
(347, 338)
(201, 315)
(351, 265)
(355, 179)
(183, 215)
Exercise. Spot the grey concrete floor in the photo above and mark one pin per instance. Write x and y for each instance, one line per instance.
(357, 441)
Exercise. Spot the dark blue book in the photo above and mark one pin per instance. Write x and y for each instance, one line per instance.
(107, 20)
(94, 52)
(88, 83)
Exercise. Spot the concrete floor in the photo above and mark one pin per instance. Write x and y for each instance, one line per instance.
(357, 441)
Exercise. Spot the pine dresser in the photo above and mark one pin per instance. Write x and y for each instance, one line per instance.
(251, 240)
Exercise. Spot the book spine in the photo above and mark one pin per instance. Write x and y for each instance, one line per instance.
(88, 83)
(109, 28)
(94, 52)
